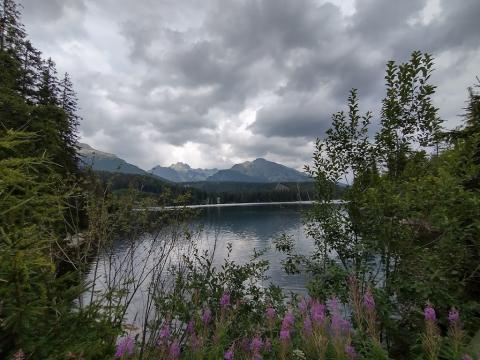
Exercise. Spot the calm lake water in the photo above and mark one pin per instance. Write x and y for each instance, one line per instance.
(246, 228)
(256, 227)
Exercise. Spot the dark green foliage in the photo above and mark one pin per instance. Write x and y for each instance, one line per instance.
(409, 223)
(208, 192)
(37, 152)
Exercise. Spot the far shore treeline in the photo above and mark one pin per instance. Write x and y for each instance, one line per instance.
(395, 267)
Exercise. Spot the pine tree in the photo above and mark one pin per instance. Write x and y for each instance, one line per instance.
(49, 91)
(69, 100)
(30, 80)
(12, 32)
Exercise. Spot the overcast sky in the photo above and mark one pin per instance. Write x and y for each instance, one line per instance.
(216, 82)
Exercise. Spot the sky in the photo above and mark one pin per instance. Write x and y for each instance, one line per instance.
(215, 82)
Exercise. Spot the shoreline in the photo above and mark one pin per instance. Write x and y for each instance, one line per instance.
(306, 202)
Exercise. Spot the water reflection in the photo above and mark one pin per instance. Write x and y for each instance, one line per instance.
(249, 228)
(246, 228)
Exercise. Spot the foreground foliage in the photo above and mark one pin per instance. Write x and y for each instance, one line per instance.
(409, 223)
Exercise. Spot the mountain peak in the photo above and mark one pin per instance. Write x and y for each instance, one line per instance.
(180, 166)
(259, 170)
(103, 161)
(261, 160)
(87, 150)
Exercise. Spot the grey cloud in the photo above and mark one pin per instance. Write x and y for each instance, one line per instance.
(292, 121)
(183, 71)
(50, 10)
(381, 20)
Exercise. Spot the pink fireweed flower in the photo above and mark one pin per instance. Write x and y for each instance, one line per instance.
(124, 347)
(303, 306)
(350, 351)
(206, 317)
(256, 344)
(270, 313)
(284, 336)
(225, 300)
(453, 316)
(333, 305)
(429, 314)
(467, 357)
(175, 350)
(307, 326)
(317, 311)
(288, 321)
(163, 335)
(336, 323)
(369, 301)
(229, 354)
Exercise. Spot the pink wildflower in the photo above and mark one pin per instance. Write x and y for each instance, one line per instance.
(303, 306)
(288, 321)
(284, 336)
(429, 314)
(206, 317)
(307, 326)
(270, 313)
(333, 305)
(256, 344)
(318, 313)
(369, 301)
(229, 354)
(225, 300)
(175, 350)
(164, 335)
(124, 347)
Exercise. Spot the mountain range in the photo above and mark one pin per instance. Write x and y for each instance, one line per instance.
(181, 172)
(101, 161)
(257, 171)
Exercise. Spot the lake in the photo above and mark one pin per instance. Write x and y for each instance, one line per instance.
(256, 227)
(246, 228)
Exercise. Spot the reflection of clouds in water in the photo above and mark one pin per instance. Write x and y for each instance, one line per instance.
(249, 228)
(246, 228)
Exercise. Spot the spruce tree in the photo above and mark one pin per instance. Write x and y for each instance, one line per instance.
(12, 31)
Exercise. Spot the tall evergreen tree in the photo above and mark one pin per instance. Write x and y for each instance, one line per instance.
(69, 100)
(49, 92)
(12, 31)
(31, 64)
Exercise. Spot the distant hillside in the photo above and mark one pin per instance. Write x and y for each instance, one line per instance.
(233, 176)
(101, 161)
(181, 172)
(257, 171)
(150, 185)
(260, 171)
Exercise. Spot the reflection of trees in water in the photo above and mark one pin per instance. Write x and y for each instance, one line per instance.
(249, 228)
(262, 222)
